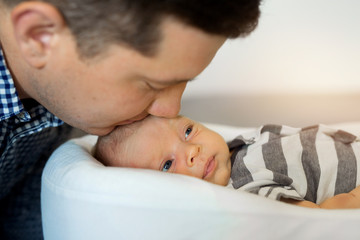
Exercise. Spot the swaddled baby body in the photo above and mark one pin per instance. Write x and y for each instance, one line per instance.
(313, 167)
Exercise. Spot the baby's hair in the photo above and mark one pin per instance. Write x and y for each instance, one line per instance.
(107, 147)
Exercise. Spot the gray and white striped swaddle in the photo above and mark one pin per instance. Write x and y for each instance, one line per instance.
(312, 163)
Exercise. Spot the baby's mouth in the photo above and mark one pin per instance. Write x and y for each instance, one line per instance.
(209, 167)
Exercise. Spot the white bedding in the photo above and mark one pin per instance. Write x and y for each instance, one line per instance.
(82, 199)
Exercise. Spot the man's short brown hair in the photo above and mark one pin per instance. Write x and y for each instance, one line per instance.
(135, 23)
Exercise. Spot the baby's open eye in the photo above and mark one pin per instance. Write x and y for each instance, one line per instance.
(167, 165)
(188, 131)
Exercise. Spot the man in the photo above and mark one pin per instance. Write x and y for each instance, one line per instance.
(94, 65)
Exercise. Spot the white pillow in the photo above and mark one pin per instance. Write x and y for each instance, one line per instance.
(82, 199)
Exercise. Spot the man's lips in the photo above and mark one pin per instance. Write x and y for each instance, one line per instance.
(209, 167)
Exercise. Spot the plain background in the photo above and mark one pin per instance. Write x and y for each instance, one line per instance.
(300, 67)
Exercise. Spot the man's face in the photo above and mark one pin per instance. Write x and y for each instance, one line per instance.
(123, 86)
(177, 145)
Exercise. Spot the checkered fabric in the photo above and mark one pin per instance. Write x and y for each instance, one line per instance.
(10, 103)
(28, 135)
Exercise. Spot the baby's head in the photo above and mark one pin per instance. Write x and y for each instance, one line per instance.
(177, 145)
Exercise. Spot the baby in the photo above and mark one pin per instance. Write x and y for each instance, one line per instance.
(278, 162)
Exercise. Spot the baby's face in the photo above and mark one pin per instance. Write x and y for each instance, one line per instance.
(177, 145)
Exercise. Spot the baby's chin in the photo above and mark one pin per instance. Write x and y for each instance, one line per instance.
(222, 178)
(224, 183)
(221, 183)
(222, 174)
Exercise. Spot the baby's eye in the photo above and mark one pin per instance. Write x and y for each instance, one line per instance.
(188, 131)
(167, 165)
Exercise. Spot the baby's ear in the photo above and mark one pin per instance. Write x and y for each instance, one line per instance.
(36, 27)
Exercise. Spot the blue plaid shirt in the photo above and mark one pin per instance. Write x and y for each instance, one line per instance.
(29, 133)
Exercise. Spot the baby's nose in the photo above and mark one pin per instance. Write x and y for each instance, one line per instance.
(193, 154)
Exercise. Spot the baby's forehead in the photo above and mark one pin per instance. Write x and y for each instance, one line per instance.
(141, 129)
(151, 120)
(151, 131)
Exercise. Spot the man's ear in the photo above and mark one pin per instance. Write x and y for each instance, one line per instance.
(36, 27)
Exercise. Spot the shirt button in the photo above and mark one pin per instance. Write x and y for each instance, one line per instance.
(22, 117)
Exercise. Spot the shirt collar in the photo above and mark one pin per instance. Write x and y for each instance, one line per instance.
(10, 103)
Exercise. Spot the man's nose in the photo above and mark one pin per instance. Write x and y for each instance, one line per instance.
(168, 101)
(193, 153)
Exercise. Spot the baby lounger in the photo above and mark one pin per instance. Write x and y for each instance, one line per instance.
(82, 199)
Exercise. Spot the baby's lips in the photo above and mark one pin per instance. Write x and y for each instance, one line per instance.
(209, 167)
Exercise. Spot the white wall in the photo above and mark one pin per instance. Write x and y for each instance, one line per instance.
(300, 46)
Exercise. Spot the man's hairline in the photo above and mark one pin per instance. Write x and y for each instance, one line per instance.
(105, 51)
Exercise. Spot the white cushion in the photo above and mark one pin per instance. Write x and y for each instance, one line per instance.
(82, 199)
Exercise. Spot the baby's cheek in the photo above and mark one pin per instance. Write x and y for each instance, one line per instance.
(193, 172)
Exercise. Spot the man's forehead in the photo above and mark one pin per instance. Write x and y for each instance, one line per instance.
(185, 50)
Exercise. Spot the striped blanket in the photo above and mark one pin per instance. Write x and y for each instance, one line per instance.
(313, 163)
